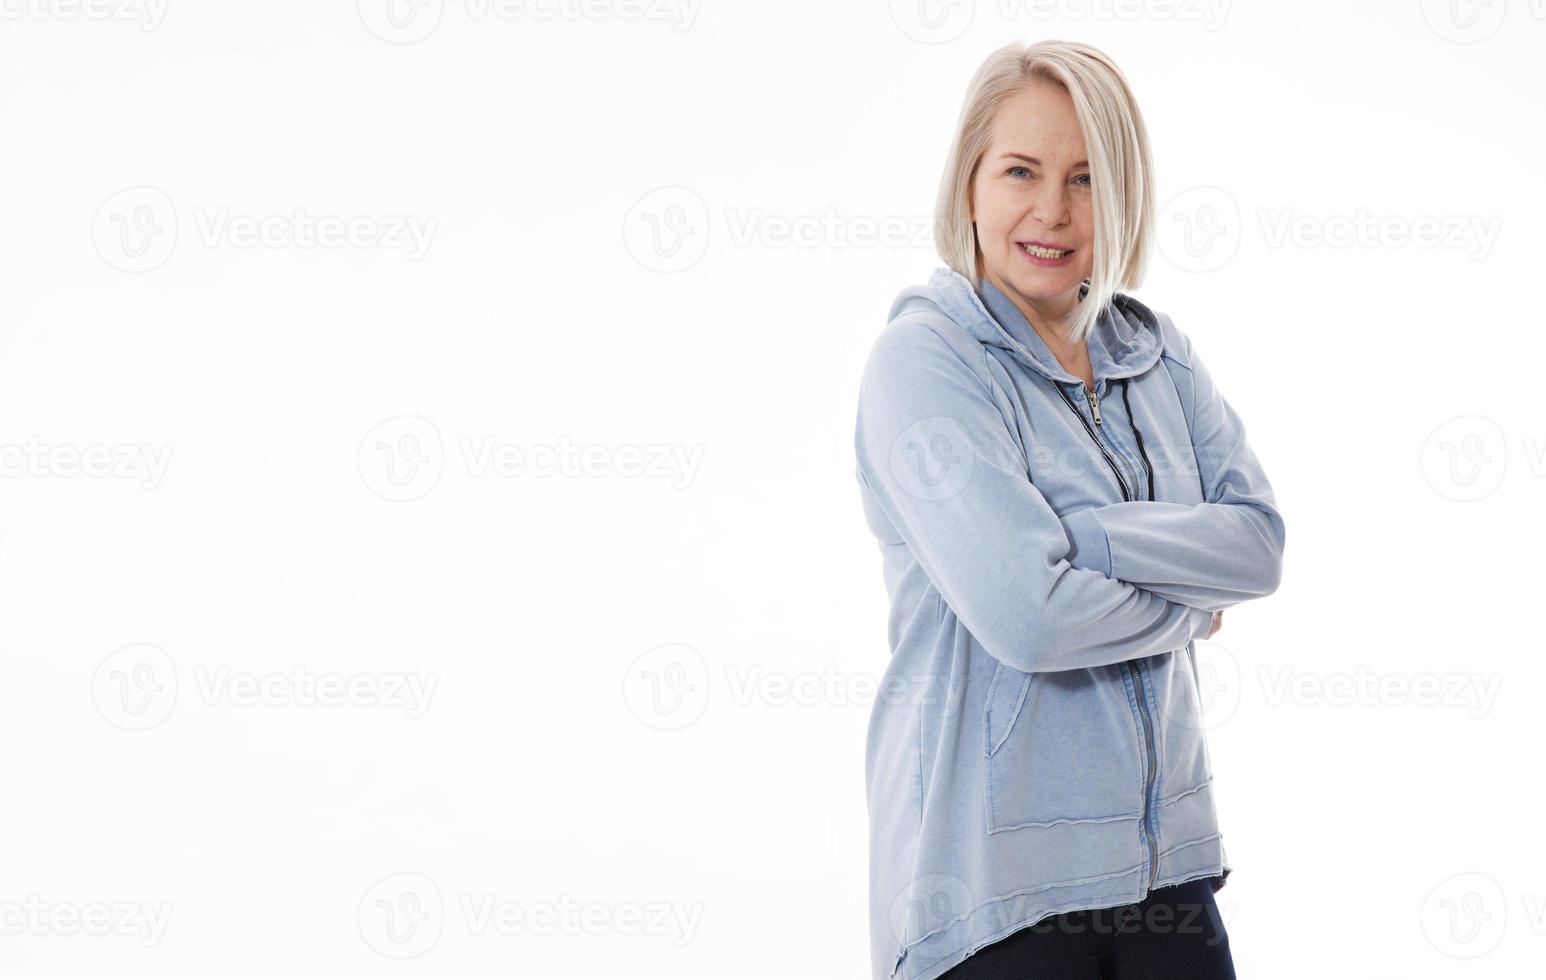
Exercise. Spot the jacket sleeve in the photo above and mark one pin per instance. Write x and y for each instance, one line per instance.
(1209, 555)
(942, 463)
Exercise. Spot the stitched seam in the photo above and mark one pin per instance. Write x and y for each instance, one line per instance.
(1014, 714)
(1191, 419)
(930, 321)
(983, 376)
(994, 827)
(1172, 798)
(1192, 843)
(997, 829)
(1026, 891)
(918, 744)
(1161, 749)
(987, 734)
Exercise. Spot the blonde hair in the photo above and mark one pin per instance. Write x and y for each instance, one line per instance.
(1117, 146)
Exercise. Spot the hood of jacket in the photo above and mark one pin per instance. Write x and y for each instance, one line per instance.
(1124, 343)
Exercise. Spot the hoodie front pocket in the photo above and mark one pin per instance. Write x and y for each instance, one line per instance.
(1060, 749)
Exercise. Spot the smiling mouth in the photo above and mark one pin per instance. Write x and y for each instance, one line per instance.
(1045, 253)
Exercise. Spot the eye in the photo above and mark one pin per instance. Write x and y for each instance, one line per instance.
(1083, 177)
(1011, 170)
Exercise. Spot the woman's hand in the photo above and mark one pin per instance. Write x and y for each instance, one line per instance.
(1218, 620)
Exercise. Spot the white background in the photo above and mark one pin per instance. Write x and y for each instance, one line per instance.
(647, 234)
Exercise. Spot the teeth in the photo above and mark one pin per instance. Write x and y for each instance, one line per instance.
(1045, 253)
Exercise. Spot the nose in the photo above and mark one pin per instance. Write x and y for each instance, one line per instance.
(1049, 203)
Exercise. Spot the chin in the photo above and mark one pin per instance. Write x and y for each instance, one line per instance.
(1047, 283)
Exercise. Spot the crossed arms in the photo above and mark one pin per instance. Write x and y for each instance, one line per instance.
(1040, 592)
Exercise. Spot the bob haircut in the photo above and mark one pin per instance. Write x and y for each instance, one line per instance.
(1117, 146)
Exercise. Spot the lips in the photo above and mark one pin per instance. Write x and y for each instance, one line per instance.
(1045, 250)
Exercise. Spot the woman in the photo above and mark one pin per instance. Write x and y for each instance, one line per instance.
(1064, 501)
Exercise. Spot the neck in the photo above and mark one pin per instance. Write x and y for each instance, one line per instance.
(1048, 319)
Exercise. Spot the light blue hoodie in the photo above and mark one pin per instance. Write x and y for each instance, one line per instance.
(1037, 744)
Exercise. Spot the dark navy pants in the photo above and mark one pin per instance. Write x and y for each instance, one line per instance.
(1174, 932)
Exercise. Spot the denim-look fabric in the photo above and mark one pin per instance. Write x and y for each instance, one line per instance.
(1037, 743)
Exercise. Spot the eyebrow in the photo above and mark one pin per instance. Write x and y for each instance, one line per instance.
(1033, 160)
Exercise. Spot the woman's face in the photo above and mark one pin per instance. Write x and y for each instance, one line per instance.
(1033, 185)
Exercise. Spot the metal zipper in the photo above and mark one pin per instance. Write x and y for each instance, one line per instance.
(1132, 666)
(1148, 775)
(1089, 395)
(1126, 493)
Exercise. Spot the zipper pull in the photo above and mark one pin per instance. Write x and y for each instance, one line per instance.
(1089, 396)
